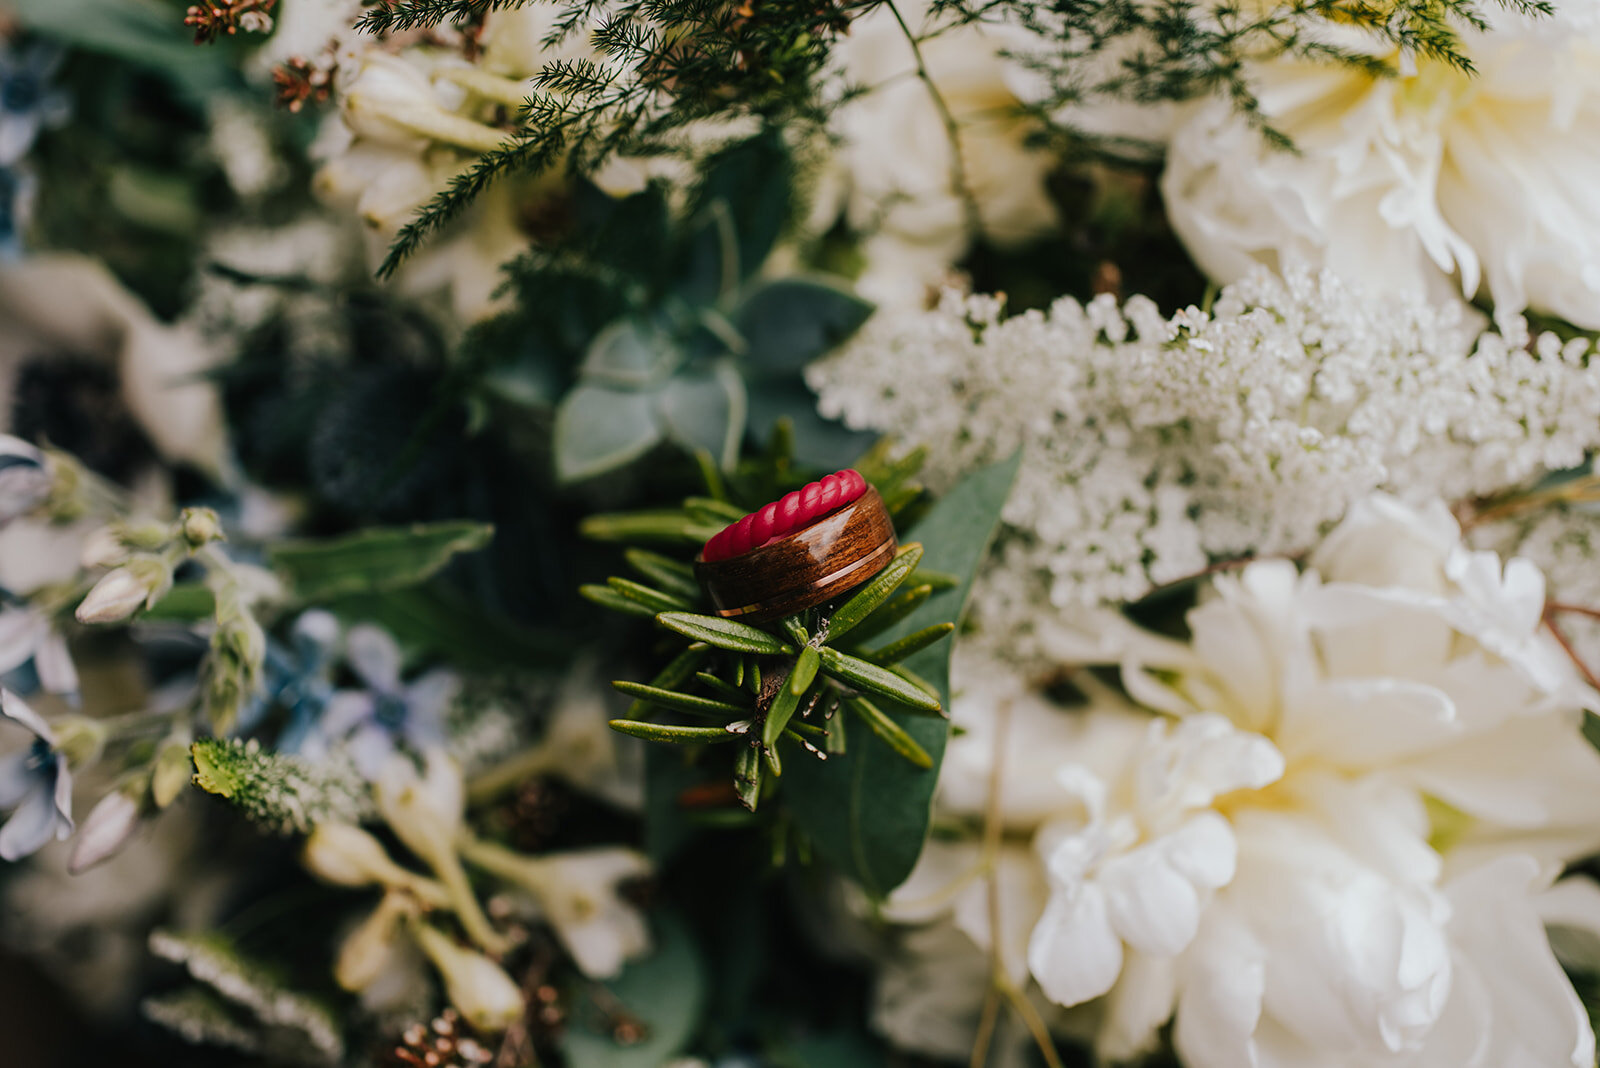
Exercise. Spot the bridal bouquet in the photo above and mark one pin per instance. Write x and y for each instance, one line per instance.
(800, 533)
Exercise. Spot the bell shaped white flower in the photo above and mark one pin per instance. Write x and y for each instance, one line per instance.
(370, 949)
(478, 987)
(577, 892)
(345, 855)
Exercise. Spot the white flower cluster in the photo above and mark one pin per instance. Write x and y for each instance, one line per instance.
(1333, 844)
(1564, 540)
(1153, 446)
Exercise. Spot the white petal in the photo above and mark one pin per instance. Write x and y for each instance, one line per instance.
(15, 709)
(374, 655)
(1073, 954)
(1151, 906)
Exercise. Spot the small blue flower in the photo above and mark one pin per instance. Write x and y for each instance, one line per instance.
(298, 677)
(368, 724)
(36, 783)
(28, 102)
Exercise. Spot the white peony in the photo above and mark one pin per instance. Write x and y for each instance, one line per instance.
(1330, 847)
(1425, 182)
(893, 172)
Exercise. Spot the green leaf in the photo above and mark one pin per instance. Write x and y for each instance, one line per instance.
(599, 429)
(778, 715)
(866, 810)
(186, 602)
(659, 526)
(374, 560)
(671, 575)
(911, 644)
(435, 621)
(893, 611)
(682, 702)
(788, 322)
(724, 633)
(606, 597)
(726, 689)
(706, 410)
(747, 776)
(891, 732)
(665, 992)
(630, 354)
(652, 599)
(874, 679)
(138, 31)
(871, 597)
(677, 670)
(805, 669)
(666, 732)
(1591, 728)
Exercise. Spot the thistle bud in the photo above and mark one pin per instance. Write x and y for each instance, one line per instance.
(139, 583)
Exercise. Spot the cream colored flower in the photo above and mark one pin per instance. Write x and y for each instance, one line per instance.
(894, 171)
(1427, 181)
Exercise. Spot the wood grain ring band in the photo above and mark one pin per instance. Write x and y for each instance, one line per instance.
(806, 567)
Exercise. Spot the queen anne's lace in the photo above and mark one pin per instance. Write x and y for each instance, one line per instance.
(1153, 446)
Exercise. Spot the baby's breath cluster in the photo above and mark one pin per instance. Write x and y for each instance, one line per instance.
(1154, 446)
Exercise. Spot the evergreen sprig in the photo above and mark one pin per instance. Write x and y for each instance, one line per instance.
(1153, 51)
(664, 65)
(782, 684)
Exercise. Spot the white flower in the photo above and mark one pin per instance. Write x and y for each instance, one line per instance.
(60, 303)
(577, 892)
(478, 987)
(894, 167)
(1334, 857)
(345, 855)
(26, 634)
(368, 952)
(1429, 180)
(1153, 446)
(105, 830)
(137, 584)
(25, 479)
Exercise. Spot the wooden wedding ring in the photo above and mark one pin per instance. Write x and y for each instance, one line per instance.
(805, 567)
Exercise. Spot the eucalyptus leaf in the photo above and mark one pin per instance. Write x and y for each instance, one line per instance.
(665, 992)
(374, 560)
(706, 409)
(866, 810)
(599, 429)
(630, 354)
(788, 322)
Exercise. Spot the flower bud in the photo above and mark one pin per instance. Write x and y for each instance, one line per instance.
(103, 833)
(367, 952)
(173, 769)
(104, 548)
(139, 583)
(478, 987)
(233, 672)
(80, 739)
(199, 527)
(344, 855)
